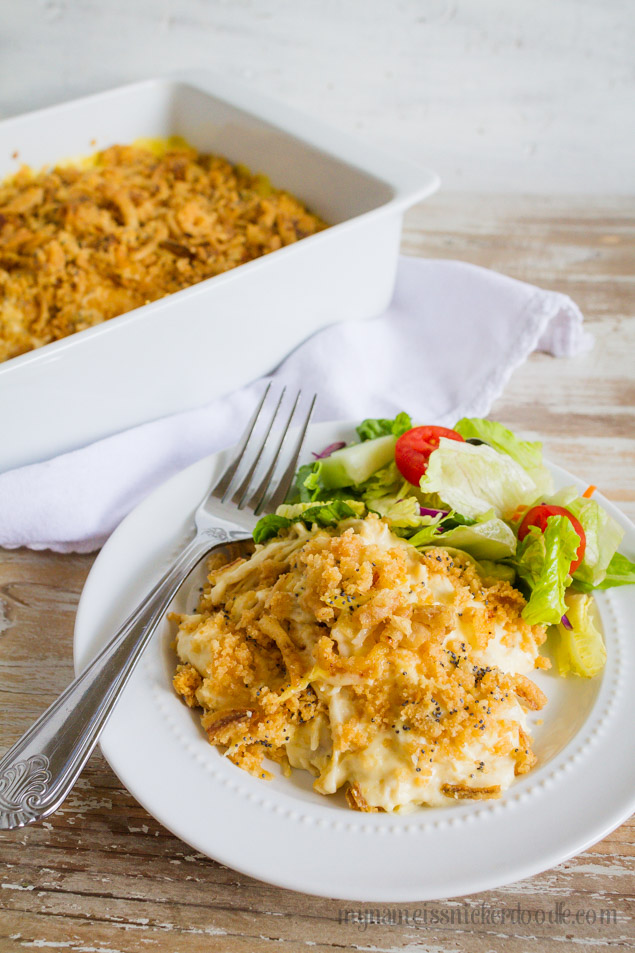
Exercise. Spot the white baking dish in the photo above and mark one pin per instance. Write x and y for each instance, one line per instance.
(188, 348)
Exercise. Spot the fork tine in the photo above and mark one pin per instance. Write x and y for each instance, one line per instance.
(240, 493)
(282, 482)
(221, 488)
(258, 494)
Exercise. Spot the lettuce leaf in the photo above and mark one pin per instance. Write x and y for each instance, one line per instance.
(329, 514)
(325, 511)
(487, 539)
(542, 562)
(400, 512)
(324, 514)
(475, 479)
(525, 452)
(429, 532)
(580, 648)
(385, 482)
(490, 539)
(603, 536)
(269, 526)
(307, 487)
(379, 426)
(496, 570)
(306, 483)
(620, 572)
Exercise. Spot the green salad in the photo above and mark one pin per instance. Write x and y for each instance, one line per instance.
(479, 489)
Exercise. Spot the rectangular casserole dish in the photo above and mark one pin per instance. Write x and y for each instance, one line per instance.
(190, 347)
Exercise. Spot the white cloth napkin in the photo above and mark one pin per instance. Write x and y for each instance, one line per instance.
(444, 349)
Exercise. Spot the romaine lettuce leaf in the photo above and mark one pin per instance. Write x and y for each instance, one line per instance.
(306, 483)
(329, 514)
(312, 483)
(525, 452)
(474, 479)
(295, 511)
(379, 426)
(269, 526)
(542, 561)
(324, 514)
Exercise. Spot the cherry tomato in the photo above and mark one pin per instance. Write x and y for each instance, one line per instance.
(538, 516)
(414, 447)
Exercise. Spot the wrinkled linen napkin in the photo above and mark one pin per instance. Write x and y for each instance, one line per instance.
(444, 349)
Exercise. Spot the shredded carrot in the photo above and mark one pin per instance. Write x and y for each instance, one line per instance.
(519, 512)
(590, 490)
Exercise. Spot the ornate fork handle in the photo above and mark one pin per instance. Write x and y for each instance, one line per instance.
(38, 772)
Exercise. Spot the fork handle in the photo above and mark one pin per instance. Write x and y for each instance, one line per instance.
(38, 772)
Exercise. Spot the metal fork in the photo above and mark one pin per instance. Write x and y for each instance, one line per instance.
(38, 772)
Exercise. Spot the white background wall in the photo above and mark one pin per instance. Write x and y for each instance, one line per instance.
(496, 95)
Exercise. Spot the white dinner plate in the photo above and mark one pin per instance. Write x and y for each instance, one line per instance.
(281, 831)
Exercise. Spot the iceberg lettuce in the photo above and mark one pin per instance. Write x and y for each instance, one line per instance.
(475, 479)
(580, 647)
(400, 512)
(525, 452)
(489, 539)
(620, 572)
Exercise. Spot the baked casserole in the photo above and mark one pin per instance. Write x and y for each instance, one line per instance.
(398, 675)
(85, 242)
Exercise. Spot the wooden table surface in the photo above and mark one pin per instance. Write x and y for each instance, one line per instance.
(102, 876)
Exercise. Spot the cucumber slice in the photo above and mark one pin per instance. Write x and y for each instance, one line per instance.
(354, 464)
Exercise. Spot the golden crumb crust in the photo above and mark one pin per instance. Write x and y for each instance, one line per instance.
(396, 674)
(80, 244)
